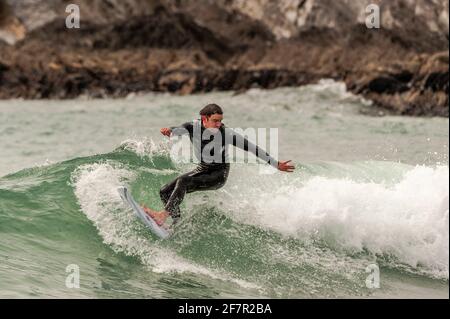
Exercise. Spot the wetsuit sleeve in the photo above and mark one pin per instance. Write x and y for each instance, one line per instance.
(186, 128)
(243, 143)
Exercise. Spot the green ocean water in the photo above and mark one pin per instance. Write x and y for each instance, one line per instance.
(367, 191)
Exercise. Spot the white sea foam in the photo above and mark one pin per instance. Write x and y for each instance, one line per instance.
(407, 220)
(96, 189)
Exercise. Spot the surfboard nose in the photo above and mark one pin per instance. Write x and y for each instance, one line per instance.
(122, 190)
(148, 221)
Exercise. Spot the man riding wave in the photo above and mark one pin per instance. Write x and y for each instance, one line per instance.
(210, 138)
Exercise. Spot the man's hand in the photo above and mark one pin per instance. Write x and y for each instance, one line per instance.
(286, 167)
(166, 131)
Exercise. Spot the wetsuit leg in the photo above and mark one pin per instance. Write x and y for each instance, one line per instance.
(165, 193)
(202, 178)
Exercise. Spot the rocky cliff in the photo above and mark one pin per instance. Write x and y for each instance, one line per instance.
(199, 45)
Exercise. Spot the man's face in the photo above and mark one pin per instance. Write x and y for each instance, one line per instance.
(213, 122)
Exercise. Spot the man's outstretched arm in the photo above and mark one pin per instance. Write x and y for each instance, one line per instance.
(186, 128)
(244, 144)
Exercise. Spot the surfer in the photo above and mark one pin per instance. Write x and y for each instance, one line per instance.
(210, 138)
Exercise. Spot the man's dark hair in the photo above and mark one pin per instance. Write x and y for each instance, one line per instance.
(211, 109)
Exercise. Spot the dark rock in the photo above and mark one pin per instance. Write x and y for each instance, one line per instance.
(196, 46)
(387, 85)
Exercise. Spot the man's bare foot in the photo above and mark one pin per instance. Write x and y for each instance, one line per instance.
(149, 211)
(158, 217)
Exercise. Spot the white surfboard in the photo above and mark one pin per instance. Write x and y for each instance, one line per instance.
(148, 221)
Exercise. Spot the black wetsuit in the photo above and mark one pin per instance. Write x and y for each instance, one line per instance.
(212, 171)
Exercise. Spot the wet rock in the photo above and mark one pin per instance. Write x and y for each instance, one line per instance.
(191, 46)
